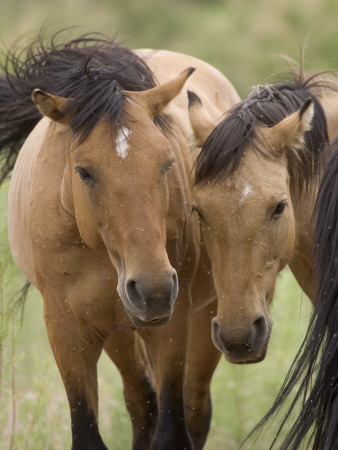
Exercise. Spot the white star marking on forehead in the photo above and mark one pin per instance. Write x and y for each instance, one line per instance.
(122, 145)
(246, 192)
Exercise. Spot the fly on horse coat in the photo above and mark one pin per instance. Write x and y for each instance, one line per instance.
(100, 222)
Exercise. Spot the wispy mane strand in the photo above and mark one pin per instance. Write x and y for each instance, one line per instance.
(266, 105)
(91, 71)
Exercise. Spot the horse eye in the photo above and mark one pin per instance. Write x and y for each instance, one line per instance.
(169, 166)
(194, 209)
(83, 174)
(279, 209)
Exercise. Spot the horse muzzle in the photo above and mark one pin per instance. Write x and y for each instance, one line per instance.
(149, 303)
(242, 345)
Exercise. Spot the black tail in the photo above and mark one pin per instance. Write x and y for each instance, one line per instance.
(312, 381)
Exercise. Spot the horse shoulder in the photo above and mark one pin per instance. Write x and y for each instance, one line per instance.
(34, 186)
(20, 197)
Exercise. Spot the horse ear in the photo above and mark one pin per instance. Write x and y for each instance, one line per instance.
(200, 120)
(289, 133)
(50, 105)
(155, 99)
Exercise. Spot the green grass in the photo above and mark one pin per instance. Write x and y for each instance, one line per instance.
(241, 37)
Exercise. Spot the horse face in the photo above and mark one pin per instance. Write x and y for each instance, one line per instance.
(120, 192)
(115, 183)
(248, 228)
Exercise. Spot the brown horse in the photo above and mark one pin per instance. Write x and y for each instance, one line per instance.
(93, 206)
(255, 184)
(312, 381)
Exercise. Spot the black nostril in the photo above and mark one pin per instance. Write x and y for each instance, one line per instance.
(214, 326)
(258, 333)
(133, 292)
(260, 323)
(217, 337)
(174, 287)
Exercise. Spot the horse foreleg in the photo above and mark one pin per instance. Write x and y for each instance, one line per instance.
(203, 358)
(129, 354)
(77, 362)
(168, 348)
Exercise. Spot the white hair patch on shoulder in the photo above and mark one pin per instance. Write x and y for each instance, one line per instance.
(122, 144)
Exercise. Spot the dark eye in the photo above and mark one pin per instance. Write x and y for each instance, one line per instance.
(279, 210)
(193, 208)
(168, 166)
(83, 174)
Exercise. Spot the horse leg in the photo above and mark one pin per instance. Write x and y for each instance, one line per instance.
(168, 349)
(76, 358)
(203, 358)
(129, 354)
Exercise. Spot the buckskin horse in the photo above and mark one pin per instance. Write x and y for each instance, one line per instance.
(255, 186)
(93, 206)
(312, 381)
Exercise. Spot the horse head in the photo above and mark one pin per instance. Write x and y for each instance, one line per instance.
(247, 220)
(116, 188)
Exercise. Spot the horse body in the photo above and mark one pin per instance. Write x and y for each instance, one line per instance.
(254, 191)
(88, 215)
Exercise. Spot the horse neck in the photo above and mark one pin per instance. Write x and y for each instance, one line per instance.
(303, 201)
(179, 177)
(303, 205)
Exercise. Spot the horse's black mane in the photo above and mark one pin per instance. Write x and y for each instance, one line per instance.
(266, 105)
(91, 70)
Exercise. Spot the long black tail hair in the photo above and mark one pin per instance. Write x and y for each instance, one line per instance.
(312, 381)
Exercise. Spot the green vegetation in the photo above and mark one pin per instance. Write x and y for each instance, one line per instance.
(242, 38)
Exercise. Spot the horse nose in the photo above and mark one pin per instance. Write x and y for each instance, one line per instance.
(242, 344)
(152, 300)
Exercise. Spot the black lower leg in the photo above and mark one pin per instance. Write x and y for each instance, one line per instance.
(171, 431)
(85, 431)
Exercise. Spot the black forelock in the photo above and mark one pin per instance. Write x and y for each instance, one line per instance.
(91, 71)
(265, 106)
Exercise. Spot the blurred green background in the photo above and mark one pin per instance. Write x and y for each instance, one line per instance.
(243, 39)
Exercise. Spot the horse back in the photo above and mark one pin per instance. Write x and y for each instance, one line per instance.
(213, 88)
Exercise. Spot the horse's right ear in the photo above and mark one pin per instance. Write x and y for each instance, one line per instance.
(157, 98)
(290, 132)
(200, 120)
(50, 105)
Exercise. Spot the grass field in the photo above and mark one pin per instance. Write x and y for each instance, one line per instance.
(242, 38)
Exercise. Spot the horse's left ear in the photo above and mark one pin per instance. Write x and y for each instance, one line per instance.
(155, 99)
(289, 133)
(50, 105)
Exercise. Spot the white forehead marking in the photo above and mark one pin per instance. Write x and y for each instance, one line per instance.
(246, 192)
(122, 145)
